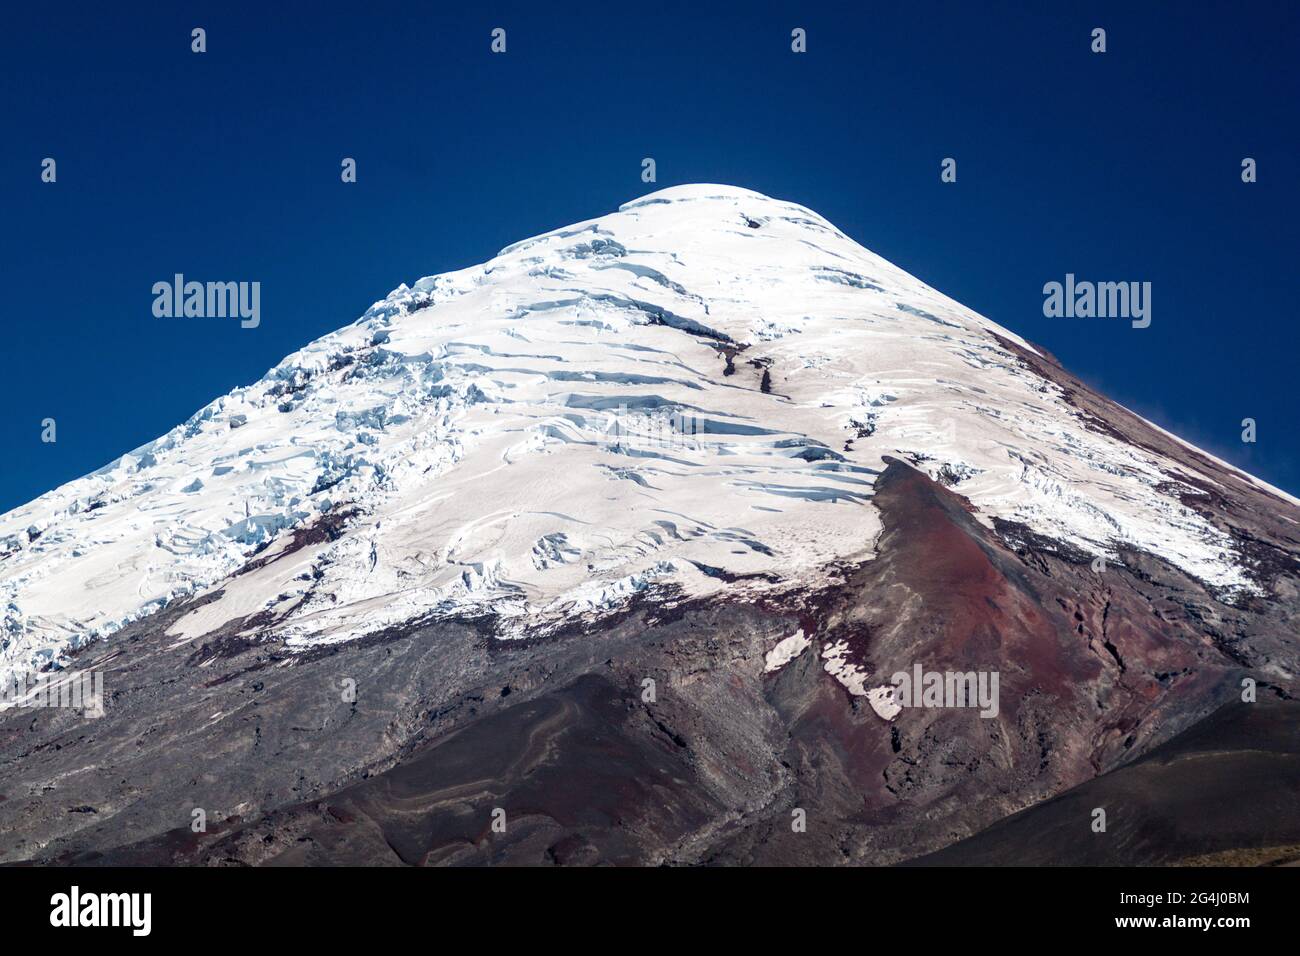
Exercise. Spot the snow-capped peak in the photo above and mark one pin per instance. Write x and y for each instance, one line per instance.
(697, 389)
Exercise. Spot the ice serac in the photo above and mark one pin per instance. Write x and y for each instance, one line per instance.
(693, 394)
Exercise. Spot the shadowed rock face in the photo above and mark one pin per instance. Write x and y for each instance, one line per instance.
(1199, 798)
(450, 724)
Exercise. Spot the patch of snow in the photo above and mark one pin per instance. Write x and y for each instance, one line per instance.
(883, 702)
(850, 675)
(786, 650)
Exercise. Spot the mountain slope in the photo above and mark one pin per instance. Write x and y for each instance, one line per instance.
(707, 441)
(450, 725)
(1192, 801)
(707, 378)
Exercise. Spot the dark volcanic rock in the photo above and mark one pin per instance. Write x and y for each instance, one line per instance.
(588, 766)
(1227, 790)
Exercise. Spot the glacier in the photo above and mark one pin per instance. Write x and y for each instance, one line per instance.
(450, 453)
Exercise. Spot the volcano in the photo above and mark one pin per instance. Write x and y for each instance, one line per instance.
(608, 550)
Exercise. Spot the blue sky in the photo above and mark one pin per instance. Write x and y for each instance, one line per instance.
(225, 165)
